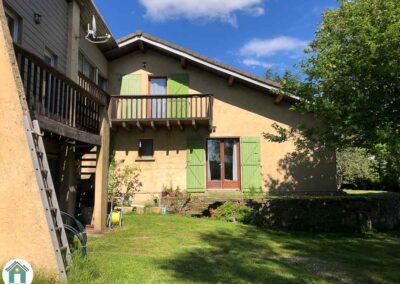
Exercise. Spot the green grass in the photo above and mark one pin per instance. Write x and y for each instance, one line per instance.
(257, 196)
(371, 193)
(174, 249)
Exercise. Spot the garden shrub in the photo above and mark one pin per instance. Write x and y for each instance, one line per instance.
(124, 183)
(233, 212)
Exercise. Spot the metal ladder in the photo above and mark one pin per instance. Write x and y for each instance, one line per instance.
(48, 195)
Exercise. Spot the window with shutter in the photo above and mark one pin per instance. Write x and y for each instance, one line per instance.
(195, 170)
(130, 85)
(178, 84)
(250, 163)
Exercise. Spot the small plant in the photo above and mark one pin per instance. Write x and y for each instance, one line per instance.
(147, 206)
(253, 191)
(124, 184)
(167, 190)
(178, 203)
(171, 192)
(233, 212)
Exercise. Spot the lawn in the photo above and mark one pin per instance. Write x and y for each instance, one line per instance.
(174, 249)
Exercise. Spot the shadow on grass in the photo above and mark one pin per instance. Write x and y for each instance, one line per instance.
(255, 256)
(227, 258)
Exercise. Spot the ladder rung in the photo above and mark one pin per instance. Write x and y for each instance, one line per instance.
(64, 248)
(45, 172)
(54, 210)
(40, 153)
(49, 190)
(58, 229)
(36, 134)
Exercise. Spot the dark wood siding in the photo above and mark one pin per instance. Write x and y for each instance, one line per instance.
(52, 32)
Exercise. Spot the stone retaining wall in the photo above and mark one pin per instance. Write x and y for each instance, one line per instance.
(331, 214)
(352, 215)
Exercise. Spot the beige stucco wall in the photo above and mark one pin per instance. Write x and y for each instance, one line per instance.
(24, 232)
(238, 111)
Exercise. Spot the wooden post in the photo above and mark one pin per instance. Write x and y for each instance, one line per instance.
(101, 182)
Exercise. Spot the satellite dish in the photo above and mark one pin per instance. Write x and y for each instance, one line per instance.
(91, 35)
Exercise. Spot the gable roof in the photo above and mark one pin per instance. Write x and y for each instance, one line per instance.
(130, 42)
(135, 41)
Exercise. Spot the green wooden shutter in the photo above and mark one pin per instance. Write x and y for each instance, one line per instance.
(195, 171)
(178, 84)
(250, 163)
(130, 85)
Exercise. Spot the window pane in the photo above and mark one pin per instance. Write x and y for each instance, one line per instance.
(230, 159)
(214, 160)
(102, 82)
(146, 147)
(11, 25)
(81, 63)
(92, 73)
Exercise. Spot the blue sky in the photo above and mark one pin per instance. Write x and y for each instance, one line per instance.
(249, 34)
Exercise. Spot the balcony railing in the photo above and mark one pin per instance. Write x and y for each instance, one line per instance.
(162, 108)
(51, 94)
(93, 88)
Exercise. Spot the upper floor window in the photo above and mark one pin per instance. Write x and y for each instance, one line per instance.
(90, 71)
(50, 58)
(101, 81)
(14, 24)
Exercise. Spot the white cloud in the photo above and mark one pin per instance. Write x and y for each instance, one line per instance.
(270, 47)
(256, 63)
(224, 11)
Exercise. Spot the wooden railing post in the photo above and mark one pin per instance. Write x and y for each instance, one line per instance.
(52, 94)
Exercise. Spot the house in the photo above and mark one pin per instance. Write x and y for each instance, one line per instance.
(16, 273)
(184, 119)
(191, 122)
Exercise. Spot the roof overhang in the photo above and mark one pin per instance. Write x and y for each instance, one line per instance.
(194, 59)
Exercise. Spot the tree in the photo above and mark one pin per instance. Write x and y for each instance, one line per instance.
(356, 167)
(352, 82)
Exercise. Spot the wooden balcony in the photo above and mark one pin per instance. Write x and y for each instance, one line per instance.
(61, 105)
(161, 111)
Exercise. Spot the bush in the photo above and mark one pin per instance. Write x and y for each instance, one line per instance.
(356, 168)
(124, 183)
(233, 212)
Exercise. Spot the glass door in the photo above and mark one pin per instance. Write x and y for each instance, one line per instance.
(223, 163)
(158, 86)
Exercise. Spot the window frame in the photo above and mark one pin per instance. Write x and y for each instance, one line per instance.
(93, 72)
(145, 156)
(223, 183)
(154, 78)
(50, 55)
(16, 33)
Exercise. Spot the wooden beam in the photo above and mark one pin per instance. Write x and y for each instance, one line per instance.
(231, 80)
(142, 47)
(139, 126)
(183, 62)
(153, 125)
(168, 125)
(279, 99)
(68, 131)
(180, 125)
(194, 124)
(126, 126)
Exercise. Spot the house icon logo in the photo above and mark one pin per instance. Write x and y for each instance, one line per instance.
(17, 271)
